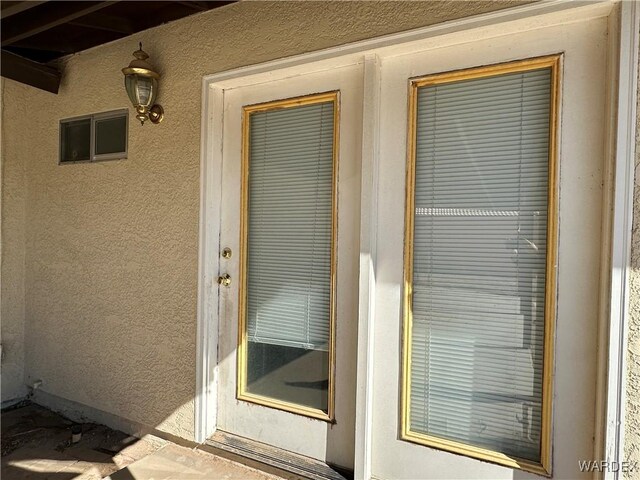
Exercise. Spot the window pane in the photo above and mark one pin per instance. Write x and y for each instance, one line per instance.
(111, 135)
(290, 187)
(479, 260)
(75, 139)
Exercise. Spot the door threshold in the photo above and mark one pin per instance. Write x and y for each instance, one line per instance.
(271, 459)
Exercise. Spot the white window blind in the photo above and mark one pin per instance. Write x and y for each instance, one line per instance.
(479, 260)
(290, 226)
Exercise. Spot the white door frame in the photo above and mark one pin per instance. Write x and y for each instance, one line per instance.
(618, 205)
(624, 75)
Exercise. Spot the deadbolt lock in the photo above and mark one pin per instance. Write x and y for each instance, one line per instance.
(224, 280)
(226, 253)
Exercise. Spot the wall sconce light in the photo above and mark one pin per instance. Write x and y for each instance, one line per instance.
(141, 82)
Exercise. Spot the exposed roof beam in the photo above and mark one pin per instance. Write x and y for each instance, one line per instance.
(109, 23)
(64, 43)
(198, 6)
(32, 73)
(47, 17)
(170, 11)
(18, 7)
(58, 45)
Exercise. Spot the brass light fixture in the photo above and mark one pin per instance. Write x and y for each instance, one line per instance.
(141, 82)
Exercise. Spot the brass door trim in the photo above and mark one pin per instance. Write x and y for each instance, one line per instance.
(544, 467)
(241, 373)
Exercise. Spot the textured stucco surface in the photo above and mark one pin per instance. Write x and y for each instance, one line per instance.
(12, 300)
(111, 248)
(632, 416)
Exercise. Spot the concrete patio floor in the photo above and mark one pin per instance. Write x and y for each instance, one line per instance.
(36, 445)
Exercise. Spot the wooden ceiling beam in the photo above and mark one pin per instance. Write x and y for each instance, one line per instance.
(74, 40)
(169, 11)
(106, 22)
(197, 6)
(13, 8)
(32, 73)
(60, 45)
(47, 17)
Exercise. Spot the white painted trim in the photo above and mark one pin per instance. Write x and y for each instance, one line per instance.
(208, 265)
(625, 135)
(607, 229)
(368, 233)
(598, 7)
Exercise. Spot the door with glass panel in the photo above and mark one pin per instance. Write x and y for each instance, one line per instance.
(485, 328)
(288, 284)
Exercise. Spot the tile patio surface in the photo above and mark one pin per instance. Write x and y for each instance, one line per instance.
(36, 445)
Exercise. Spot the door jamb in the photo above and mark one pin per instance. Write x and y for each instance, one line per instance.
(209, 263)
(612, 371)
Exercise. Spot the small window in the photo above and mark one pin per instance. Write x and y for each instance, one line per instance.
(75, 140)
(91, 138)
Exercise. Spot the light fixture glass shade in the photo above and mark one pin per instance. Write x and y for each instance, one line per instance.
(141, 90)
(141, 83)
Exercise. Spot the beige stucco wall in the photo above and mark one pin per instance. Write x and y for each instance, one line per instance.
(12, 266)
(112, 248)
(632, 417)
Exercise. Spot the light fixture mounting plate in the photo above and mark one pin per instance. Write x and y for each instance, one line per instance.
(156, 114)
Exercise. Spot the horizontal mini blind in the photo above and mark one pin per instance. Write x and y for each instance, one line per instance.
(479, 260)
(290, 226)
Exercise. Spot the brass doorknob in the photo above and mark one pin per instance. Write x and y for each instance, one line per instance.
(224, 280)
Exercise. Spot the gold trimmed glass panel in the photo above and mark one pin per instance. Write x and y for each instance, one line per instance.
(286, 331)
(479, 262)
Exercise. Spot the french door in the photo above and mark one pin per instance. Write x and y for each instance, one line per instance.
(486, 321)
(288, 262)
(488, 244)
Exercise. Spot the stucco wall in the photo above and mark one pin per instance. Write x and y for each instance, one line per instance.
(12, 299)
(632, 417)
(111, 248)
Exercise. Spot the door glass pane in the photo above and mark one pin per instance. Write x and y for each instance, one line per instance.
(479, 261)
(288, 287)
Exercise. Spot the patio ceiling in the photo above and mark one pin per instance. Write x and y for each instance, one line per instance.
(36, 34)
